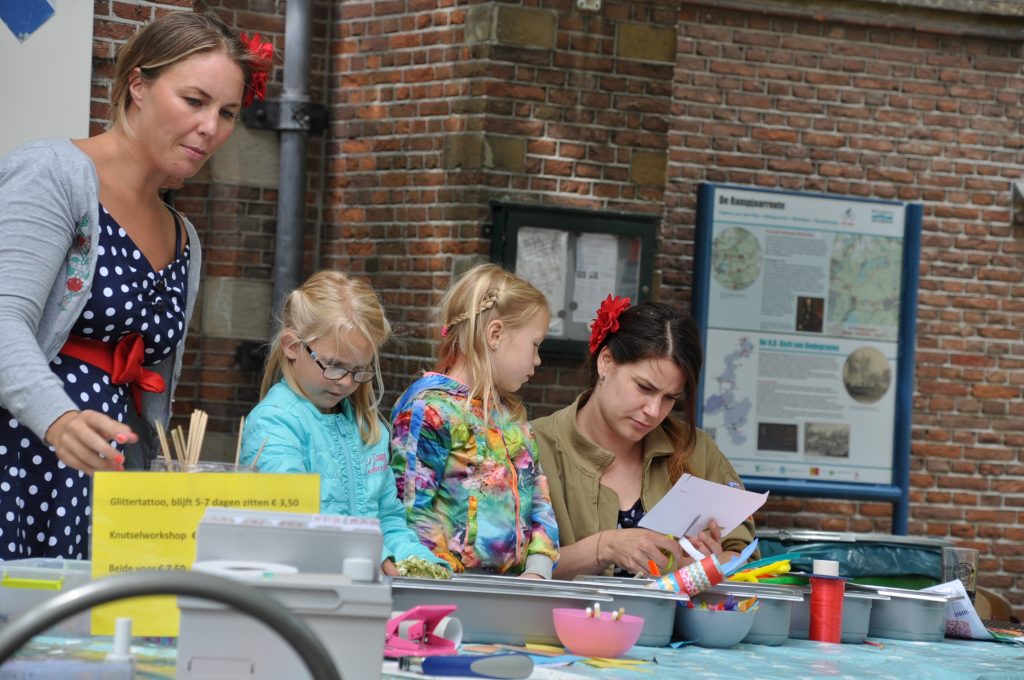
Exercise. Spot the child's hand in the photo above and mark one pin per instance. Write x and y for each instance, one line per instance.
(389, 568)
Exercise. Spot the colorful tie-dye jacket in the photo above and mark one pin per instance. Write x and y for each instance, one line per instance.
(474, 494)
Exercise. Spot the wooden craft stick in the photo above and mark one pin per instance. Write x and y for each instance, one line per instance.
(179, 446)
(164, 448)
(238, 449)
(257, 458)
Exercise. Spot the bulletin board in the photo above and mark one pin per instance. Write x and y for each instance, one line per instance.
(807, 306)
(576, 258)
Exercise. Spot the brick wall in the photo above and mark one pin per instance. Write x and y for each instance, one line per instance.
(440, 107)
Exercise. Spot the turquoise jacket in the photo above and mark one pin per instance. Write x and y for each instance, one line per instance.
(355, 478)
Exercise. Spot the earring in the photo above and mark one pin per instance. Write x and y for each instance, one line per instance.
(601, 380)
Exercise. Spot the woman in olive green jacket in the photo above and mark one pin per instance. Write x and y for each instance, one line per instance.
(613, 453)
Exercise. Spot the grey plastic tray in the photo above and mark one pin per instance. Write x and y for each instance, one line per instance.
(776, 602)
(499, 609)
(909, 615)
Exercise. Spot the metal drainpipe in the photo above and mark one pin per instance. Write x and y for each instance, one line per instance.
(294, 122)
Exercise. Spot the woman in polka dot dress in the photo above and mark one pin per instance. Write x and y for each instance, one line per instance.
(98, 278)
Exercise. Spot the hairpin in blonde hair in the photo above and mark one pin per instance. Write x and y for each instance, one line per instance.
(489, 300)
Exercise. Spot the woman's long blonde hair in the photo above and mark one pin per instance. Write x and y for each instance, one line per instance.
(485, 293)
(331, 305)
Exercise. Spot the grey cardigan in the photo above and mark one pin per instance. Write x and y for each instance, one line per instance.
(49, 232)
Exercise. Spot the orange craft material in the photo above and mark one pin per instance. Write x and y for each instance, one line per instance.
(122, 360)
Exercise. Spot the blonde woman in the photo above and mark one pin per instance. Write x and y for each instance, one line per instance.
(462, 451)
(100, 277)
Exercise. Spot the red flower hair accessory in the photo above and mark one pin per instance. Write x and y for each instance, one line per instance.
(256, 88)
(607, 320)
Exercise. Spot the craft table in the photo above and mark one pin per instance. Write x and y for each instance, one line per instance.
(804, 659)
(797, 659)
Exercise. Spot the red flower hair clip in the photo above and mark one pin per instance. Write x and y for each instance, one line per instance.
(256, 88)
(607, 320)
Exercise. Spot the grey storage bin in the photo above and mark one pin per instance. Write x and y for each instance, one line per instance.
(857, 607)
(28, 582)
(909, 615)
(499, 609)
(775, 606)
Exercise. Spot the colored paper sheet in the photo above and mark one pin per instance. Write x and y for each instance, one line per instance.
(147, 521)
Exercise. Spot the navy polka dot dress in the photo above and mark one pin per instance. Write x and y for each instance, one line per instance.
(44, 505)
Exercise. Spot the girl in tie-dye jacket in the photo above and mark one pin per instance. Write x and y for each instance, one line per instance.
(464, 457)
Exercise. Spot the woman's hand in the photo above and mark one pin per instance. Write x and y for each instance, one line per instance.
(632, 549)
(708, 542)
(81, 441)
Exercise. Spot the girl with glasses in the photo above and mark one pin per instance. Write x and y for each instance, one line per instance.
(318, 408)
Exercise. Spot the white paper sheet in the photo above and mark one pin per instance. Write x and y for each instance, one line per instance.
(692, 503)
(962, 620)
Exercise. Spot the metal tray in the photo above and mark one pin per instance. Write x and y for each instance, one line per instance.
(499, 609)
(811, 536)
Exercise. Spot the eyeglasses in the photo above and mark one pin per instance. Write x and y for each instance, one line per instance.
(338, 372)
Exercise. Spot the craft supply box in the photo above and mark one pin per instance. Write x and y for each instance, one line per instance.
(218, 642)
(27, 583)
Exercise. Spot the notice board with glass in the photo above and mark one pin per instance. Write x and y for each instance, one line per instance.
(576, 258)
(807, 304)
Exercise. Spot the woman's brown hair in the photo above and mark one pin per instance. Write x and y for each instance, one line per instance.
(653, 330)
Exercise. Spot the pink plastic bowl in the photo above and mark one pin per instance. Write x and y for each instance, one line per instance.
(603, 637)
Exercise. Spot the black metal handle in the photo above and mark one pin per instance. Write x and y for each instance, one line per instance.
(245, 599)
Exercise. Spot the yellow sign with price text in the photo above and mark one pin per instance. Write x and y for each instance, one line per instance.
(147, 521)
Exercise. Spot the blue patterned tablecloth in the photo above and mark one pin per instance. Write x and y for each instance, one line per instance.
(798, 659)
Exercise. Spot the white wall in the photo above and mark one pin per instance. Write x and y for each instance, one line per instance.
(45, 81)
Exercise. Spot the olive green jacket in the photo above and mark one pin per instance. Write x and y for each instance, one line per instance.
(573, 465)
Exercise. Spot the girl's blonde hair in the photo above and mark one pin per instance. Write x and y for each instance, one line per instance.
(164, 42)
(331, 305)
(485, 293)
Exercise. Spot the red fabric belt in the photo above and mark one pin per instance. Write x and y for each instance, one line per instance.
(122, 360)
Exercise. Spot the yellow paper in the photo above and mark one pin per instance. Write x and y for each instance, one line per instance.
(147, 521)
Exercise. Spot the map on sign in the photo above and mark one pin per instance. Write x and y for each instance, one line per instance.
(864, 287)
(736, 259)
(803, 299)
(728, 400)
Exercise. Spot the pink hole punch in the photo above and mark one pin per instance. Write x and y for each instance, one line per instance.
(412, 633)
